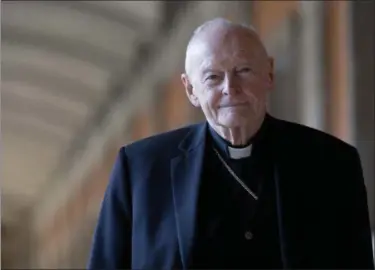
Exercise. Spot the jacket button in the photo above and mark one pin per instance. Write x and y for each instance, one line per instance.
(248, 235)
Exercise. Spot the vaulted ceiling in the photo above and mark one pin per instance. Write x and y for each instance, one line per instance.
(61, 66)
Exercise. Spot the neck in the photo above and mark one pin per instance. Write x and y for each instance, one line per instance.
(238, 136)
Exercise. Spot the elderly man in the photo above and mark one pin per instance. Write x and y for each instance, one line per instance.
(240, 190)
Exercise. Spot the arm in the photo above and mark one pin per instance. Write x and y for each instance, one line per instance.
(111, 246)
(357, 238)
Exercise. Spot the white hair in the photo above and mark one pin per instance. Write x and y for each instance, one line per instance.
(216, 22)
(222, 22)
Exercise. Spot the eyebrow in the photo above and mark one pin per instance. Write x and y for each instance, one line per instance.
(208, 70)
(240, 65)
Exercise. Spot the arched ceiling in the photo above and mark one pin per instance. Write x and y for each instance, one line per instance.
(59, 64)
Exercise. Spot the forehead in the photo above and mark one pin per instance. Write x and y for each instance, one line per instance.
(228, 49)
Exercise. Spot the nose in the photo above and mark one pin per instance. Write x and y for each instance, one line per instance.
(231, 85)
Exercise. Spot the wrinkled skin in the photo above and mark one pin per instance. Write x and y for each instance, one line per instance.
(229, 76)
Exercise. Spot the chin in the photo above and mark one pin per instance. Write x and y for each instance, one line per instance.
(234, 121)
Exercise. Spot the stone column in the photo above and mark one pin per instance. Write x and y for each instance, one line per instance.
(362, 32)
(310, 69)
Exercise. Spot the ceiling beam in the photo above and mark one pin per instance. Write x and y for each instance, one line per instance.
(120, 13)
(82, 50)
(109, 11)
(16, 89)
(39, 110)
(67, 66)
(50, 82)
(169, 55)
(138, 66)
(32, 127)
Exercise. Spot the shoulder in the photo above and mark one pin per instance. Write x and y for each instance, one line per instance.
(329, 160)
(305, 138)
(165, 143)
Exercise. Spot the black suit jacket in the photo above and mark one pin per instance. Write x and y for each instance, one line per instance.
(147, 218)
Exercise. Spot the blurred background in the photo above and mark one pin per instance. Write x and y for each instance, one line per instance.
(80, 79)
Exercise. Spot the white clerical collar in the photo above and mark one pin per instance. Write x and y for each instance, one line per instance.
(238, 153)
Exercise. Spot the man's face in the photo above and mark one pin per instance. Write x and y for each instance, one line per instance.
(229, 78)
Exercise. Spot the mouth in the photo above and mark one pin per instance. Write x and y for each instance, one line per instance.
(235, 105)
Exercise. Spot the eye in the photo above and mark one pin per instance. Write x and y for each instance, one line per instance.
(244, 70)
(212, 77)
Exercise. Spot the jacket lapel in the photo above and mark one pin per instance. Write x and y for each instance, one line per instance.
(186, 170)
(289, 198)
(290, 217)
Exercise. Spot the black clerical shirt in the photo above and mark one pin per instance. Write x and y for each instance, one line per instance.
(233, 229)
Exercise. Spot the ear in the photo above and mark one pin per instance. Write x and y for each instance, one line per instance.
(189, 90)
